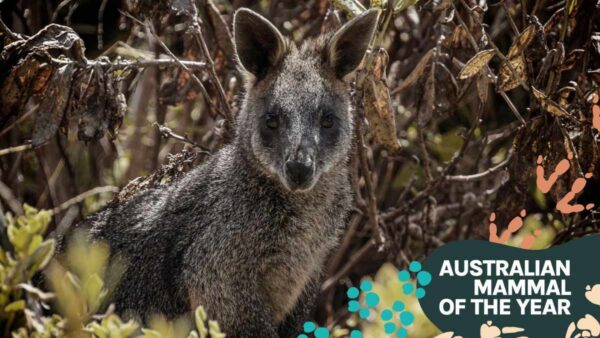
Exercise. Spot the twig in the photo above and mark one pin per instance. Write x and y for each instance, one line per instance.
(59, 8)
(199, 37)
(510, 19)
(47, 186)
(100, 32)
(481, 175)
(177, 61)
(10, 199)
(16, 149)
(355, 258)
(81, 197)
(5, 30)
(168, 133)
(194, 77)
(160, 111)
(371, 200)
(17, 121)
(141, 63)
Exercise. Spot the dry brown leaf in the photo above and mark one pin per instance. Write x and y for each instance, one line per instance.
(516, 59)
(506, 79)
(222, 33)
(378, 105)
(547, 104)
(101, 107)
(482, 87)
(379, 112)
(571, 59)
(415, 74)
(524, 39)
(476, 63)
(53, 105)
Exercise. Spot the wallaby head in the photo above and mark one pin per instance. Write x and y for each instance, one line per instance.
(296, 118)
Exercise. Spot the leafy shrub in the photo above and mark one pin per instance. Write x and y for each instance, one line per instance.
(80, 288)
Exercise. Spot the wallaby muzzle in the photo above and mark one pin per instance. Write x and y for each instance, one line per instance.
(299, 168)
(299, 174)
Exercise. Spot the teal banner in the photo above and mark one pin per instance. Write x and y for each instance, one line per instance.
(488, 290)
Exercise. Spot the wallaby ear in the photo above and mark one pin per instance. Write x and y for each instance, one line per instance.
(348, 45)
(259, 45)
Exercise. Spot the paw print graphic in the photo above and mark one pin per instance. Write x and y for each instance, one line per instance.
(371, 299)
(398, 317)
(423, 279)
(395, 319)
(311, 328)
(406, 319)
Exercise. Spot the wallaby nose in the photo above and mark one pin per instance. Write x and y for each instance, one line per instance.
(299, 171)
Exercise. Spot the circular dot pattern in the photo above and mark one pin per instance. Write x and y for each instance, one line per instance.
(389, 327)
(352, 292)
(386, 314)
(356, 334)
(372, 299)
(403, 276)
(407, 318)
(424, 278)
(309, 327)
(322, 332)
(415, 266)
(408, 288)
(366, 286)
(398, 306)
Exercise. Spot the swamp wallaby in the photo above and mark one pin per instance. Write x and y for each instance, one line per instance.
(246, 234)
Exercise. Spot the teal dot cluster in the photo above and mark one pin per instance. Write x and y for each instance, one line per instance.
(318, 332)
(423, 279)
(395, 319)
(371, 299)
(398, 310)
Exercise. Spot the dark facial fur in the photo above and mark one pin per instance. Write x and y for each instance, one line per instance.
(297, 103)
(301, 120)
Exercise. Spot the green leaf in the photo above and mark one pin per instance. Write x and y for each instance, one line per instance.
(92, 289)
(381, 4)
(350, 7)
(200, 318)
(18, 238)
(42, 255)
(403, 5)
(215, 330)
(147, 333)
(36, 240)
(129, 328)
(571, 6)
(15, 306)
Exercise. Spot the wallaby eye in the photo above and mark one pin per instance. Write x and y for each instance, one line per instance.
(327, 121)
(272, 121)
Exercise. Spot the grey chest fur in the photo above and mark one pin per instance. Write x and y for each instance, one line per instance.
(298, 262)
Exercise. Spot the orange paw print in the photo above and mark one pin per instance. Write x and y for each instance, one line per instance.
(513, 227)
(544, 185)
(594, 98)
